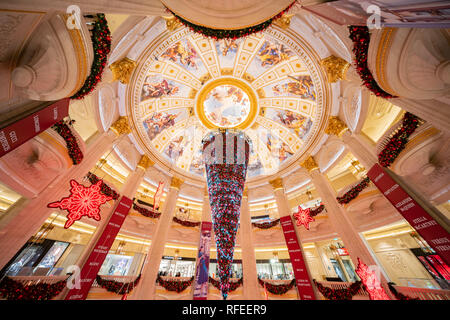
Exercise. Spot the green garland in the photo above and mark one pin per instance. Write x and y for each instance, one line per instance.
(278, 289)
(399, 140)
(339, 294)
(14, 290)
(354, 192)
(218, 34)
(71, 142)
(174, 285)
(101, 42)
(233, 285)
(360, 36)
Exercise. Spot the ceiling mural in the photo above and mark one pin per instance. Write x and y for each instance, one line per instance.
(258, 84)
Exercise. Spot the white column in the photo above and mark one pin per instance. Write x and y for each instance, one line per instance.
(342, 224)
(28, 219)
(146, 289)
(250, 275)
(283, 211)
(364, 154)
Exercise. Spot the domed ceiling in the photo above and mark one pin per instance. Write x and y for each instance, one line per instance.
(266, 84)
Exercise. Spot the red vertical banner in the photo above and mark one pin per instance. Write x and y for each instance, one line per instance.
(95, 260)
(16, 134)
(433, 233)
(304, 286)
(202, 272)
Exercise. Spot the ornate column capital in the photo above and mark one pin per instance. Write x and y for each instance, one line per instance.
(277, 184)
(172, 23)
(122, 69)
(284, 21)
(310, 164)
(145, 162)
(176, 183)
(121, 126)
(336, 126)
(335, 68)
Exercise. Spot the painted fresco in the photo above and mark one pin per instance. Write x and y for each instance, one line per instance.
(269, 54)
(226, 106)
(155, 86)
(277, 148)
(197, 164)
(174, 150)
(226, 51)
(302, 87)
(296, 122)
(159, 121)
(183, 54)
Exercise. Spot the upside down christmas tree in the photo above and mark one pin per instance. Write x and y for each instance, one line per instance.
(226, 155)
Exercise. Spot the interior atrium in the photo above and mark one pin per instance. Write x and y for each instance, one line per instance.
(107, 109)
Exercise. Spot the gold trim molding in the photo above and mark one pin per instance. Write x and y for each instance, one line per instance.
(145, 162)
(336, 126)
(176, 183)
(284, 21)
(335, 68)
(172, 23)
(201, 97)
(123, 69)
(276, 184)
(310, 164)
(121, 126)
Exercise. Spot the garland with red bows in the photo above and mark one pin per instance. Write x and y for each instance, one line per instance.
(316, 211)
(186, 223)
(218, 34)
(71, 142)
(266, 225)
(101, 43)
(146, 212)
(354, 192)
(339, 294)
(361, 38)
(14, 290)
(399, 295)
(399, 140)
(117, 286)
(104, 188)
(278, 289)
(233, 285)
(174, 285)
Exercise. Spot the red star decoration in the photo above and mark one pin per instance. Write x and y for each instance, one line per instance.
(83, 201)
(303, 217)
(371, 282)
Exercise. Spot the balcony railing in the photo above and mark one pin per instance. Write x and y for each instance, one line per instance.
(362, 294)
(423, 293)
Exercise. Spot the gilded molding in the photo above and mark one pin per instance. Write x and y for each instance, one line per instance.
(121, 126)
(145, 162)
(276, 184)
(336, 126)
(284, 21)
(176, 183)
(245, 192)
(384, 46)
(335, 68)
(123, 69)
(309, 164)
(172, 23)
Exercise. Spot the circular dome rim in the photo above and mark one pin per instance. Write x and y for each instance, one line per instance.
(288, 166)
(226, 80)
